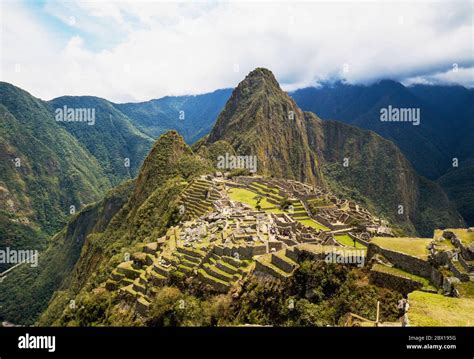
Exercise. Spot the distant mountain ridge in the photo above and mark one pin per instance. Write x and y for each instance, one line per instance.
(113, 139)
(445, 134)
(430, 147)
(192, 116)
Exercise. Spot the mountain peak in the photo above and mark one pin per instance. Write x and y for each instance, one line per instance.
(261, 72)
(161, 163)
(259, 77)
(261, 120)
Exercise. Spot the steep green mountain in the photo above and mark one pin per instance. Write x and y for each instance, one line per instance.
(44, 171)
(192, 116)
(256, 121)
(263, 121)
(146, 214)
(378, 175)
(112, 138)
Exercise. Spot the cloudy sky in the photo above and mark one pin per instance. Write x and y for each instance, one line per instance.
(136, 51)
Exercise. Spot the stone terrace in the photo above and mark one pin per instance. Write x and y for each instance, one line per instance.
(220, 241)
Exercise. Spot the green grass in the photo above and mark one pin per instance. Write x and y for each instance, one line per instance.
(466, 289)
(429, 309)
(401, 273)
(467, 238)
(312, 223)
(416, 247)
(249, 197)
(347, 241)
(265, 188)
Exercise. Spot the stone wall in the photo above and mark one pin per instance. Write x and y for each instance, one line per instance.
(258, 250)
(292, 254)
(467, 266)
(413, 265)
(282, 264)
(277, 245)
(361, 241)
(323, 221)
(142, 308)
(403, 261)
(216, 285)
(436, 277)
(400, 284)
(462, 276)
(442, 258)
(260, 268)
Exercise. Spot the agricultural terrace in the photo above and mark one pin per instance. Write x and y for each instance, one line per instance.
(347, 241)
(250, 197)
(415, 247)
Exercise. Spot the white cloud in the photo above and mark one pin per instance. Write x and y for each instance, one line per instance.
(158, 49)
(455, 75)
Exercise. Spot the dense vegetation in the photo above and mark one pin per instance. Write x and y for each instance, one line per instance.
(25, 293)
(112, 140)
(43, 172)
(319, 294)
(459, 185)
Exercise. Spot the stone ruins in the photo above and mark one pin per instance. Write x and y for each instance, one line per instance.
(233, 227)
